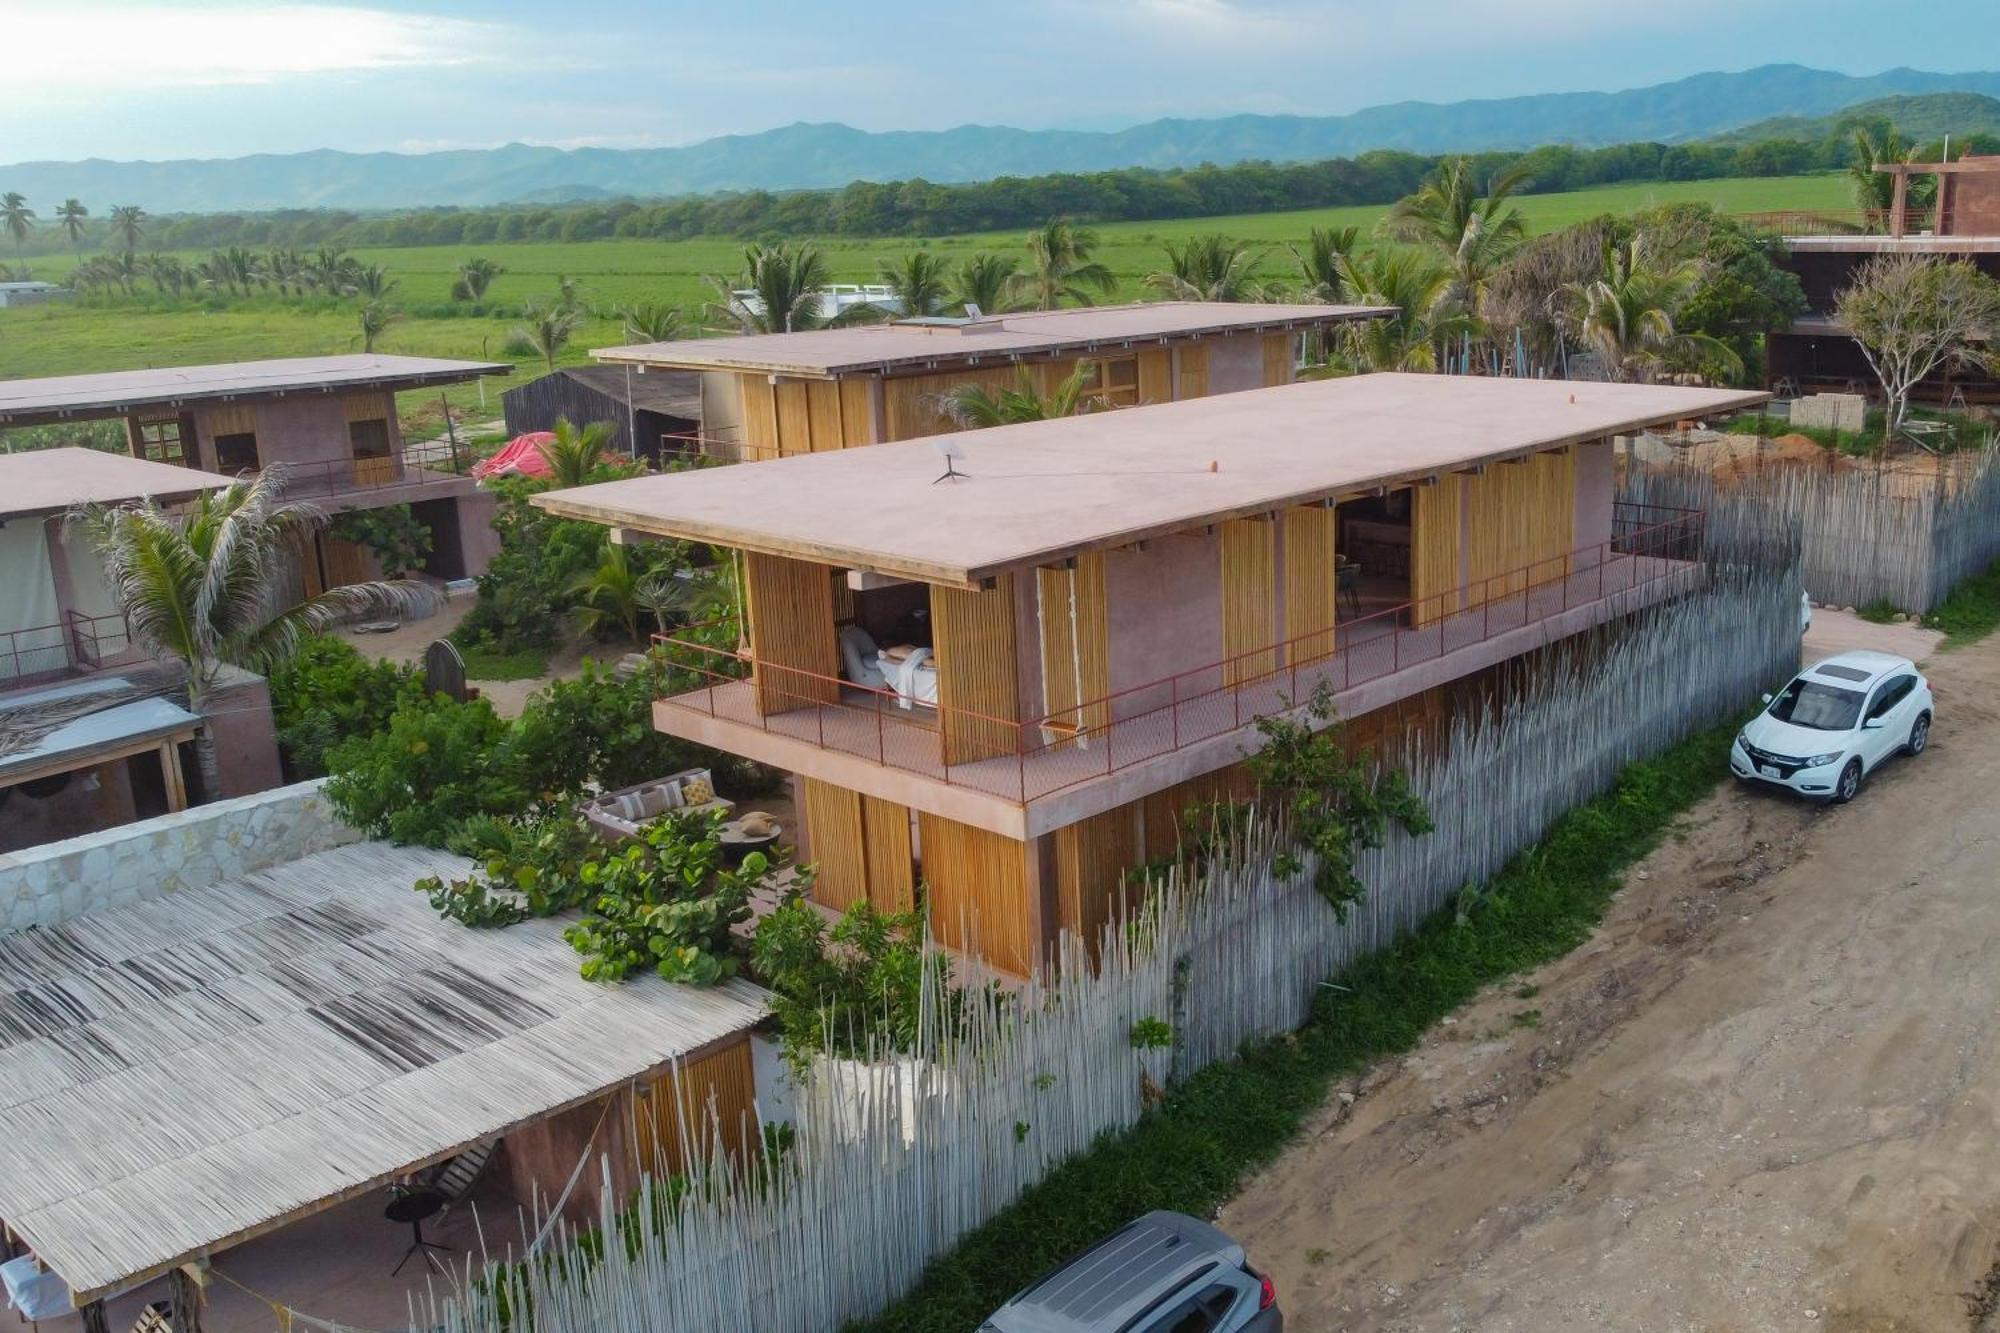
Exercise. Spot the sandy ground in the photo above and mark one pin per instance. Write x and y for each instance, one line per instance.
(407, 643)
(1762, 1096)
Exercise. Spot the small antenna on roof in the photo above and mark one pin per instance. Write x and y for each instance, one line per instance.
(972, 310)
(951, 453)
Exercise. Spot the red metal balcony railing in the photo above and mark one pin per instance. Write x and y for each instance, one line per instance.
(428, 464)
(1917, 220)
(1022, 761)
(706, 448)
(76, 642)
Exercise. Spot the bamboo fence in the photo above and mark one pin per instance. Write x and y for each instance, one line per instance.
(894, 1161)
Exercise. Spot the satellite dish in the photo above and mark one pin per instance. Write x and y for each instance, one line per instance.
(950, 451)
(972, 310)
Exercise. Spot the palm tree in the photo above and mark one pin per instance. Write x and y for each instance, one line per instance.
(1421, 290)
(1875, 191)
(782, 290)
(375, 319)
(609, 597)
(330, 270)
(986, 280)
(920, 282)
(974, 406)
(1061, 269)
(128, 224)
(574, 451)
(1210, 268)
(71, 215)
(1321, 261)
(475, 275)
(20, 220)
(652, 322)
(1471, 232)
(1627, 315)
(372, 281)
(208, 586)
(545, 330)
(287, 268)
(169, 275)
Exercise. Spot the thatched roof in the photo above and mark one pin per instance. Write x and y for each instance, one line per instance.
(185, 1073)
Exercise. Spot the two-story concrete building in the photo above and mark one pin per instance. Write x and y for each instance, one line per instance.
(1009, 685)
(778, 394)
(331, 420)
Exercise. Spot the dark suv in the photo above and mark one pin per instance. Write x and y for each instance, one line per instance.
(1165, 1273)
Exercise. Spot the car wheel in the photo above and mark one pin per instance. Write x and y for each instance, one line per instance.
(1920, 735)
(1850, 782)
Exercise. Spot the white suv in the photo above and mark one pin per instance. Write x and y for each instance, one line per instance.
(1834, 723)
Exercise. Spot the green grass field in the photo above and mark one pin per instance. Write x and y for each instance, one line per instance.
(58, 340)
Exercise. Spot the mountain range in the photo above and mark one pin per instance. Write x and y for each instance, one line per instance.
(815, 156)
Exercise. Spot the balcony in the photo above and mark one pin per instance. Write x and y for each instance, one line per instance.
(423, 471)
(1158, 733)
(75, 644)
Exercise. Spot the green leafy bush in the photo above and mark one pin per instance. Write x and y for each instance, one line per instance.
(327, 693)
(528, 868)
(664, 902)
(401, 544)
(431, 769)
(525, 594)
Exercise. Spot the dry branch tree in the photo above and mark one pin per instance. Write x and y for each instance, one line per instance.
(1913, 315)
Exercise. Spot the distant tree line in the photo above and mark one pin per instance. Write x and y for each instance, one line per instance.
(923, 208)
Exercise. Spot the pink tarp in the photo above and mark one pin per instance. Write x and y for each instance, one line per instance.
(521, 456)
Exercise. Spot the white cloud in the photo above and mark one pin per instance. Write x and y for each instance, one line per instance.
(108, 48)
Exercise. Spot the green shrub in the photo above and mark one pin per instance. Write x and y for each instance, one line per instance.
(1880, 611)
(400, 542)
(665, 901)
(528, 868)
(434, 766)
(525, 593)
(327, 693)
(1972, 611)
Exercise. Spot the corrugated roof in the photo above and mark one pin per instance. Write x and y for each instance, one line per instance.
(48, 481)
(23, 402)
(1043, 491)
(822, 353)
(183, 1073)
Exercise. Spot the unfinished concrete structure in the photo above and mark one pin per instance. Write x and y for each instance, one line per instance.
(778, 394)
(331, 420)
(1012, 683)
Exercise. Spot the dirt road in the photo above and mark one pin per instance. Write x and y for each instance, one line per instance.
(1763, 1096)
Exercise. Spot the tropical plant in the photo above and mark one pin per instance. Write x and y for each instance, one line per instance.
(1473, 233)
(545, 330)
(652, 322)
(1321, 263)
(375, 318)
(399, 540)
(1060, 267)
(170, 276)
(328, 692)
(286, 268)
(607, 598)
(574, 452)
(1876, 146)
(974, 406)
(986, 280)
(128, 224)
(71, 216)
(665, 902)
(1626, 315)
(1419, 287)
(435, 766)
(18, 218)
(781, 286)
(372, 281)
(1913, 315)
(332, 271)
(208, 586)
(1210, 268)
(920, 281)
(475, 275)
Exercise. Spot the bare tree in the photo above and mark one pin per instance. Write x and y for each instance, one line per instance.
(1913, 315)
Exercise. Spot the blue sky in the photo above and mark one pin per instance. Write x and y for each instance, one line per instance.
(211, 78)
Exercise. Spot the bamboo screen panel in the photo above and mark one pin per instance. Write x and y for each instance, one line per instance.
(1555, 511)
(1521, 515)
(1194, 371)
(1310, 605)
(857, 412)
(659, 1114)
(795, 661)
(1076, 643)
(1092, 857)
(346, 562)
(368, 407)
(760, 417)
(978, 685)
(1277, 359)
(1249, 598)
(823, 413)
(885, 829)
(1435, 549)
(839, 849)
(234, 419)
(911, 403)
(795, 434)
(978, 883)
(1156, 375)
(1164, 813)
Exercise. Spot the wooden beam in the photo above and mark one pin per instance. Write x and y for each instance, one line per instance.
(184, 1301)
(93, 1318)
(170, 773)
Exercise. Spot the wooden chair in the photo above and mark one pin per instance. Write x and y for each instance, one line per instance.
(155, 1318)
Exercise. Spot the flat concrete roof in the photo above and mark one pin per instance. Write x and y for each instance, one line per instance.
(826, 353)
(62, 397)
(1043, 491)
(48, 481)
(1893, 245)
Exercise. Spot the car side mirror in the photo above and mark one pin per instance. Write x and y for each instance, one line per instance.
(1872, 724)
(1767, 698)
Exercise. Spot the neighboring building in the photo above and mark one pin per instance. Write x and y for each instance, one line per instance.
(653, 414)
(30, 293)
(777, 394)
(1100, 608)
(92, 733)
(331, 420)
(1962, 223)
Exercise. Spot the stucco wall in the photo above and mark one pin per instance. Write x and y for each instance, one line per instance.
(57, 881)
(1235, 362)
(1596, 482)
(303, 430)
(1165, 608)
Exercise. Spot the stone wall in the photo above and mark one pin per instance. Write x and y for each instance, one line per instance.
(57, 881)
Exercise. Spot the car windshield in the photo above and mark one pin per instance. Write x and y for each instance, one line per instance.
(1815, 704)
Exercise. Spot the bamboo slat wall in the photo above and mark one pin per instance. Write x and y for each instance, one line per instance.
(760, 416)
(910, 403)
(795, 660)
(1277, 359)
(978, 681)
(795, 433)
(1435, 548)
(978, 883)
(1164, 812)
(857, 412)
(1519, 515)
(346, 562)
(676, 1109)
(1249, 598)
(1092, 857)
(1156, 375)
(1310, 605)
(1194, 371)
(1076, 643)
(232, 419)
(368, 407)
(885, 830)
(839, 845)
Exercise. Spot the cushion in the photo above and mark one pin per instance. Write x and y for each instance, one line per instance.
(698, 789)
